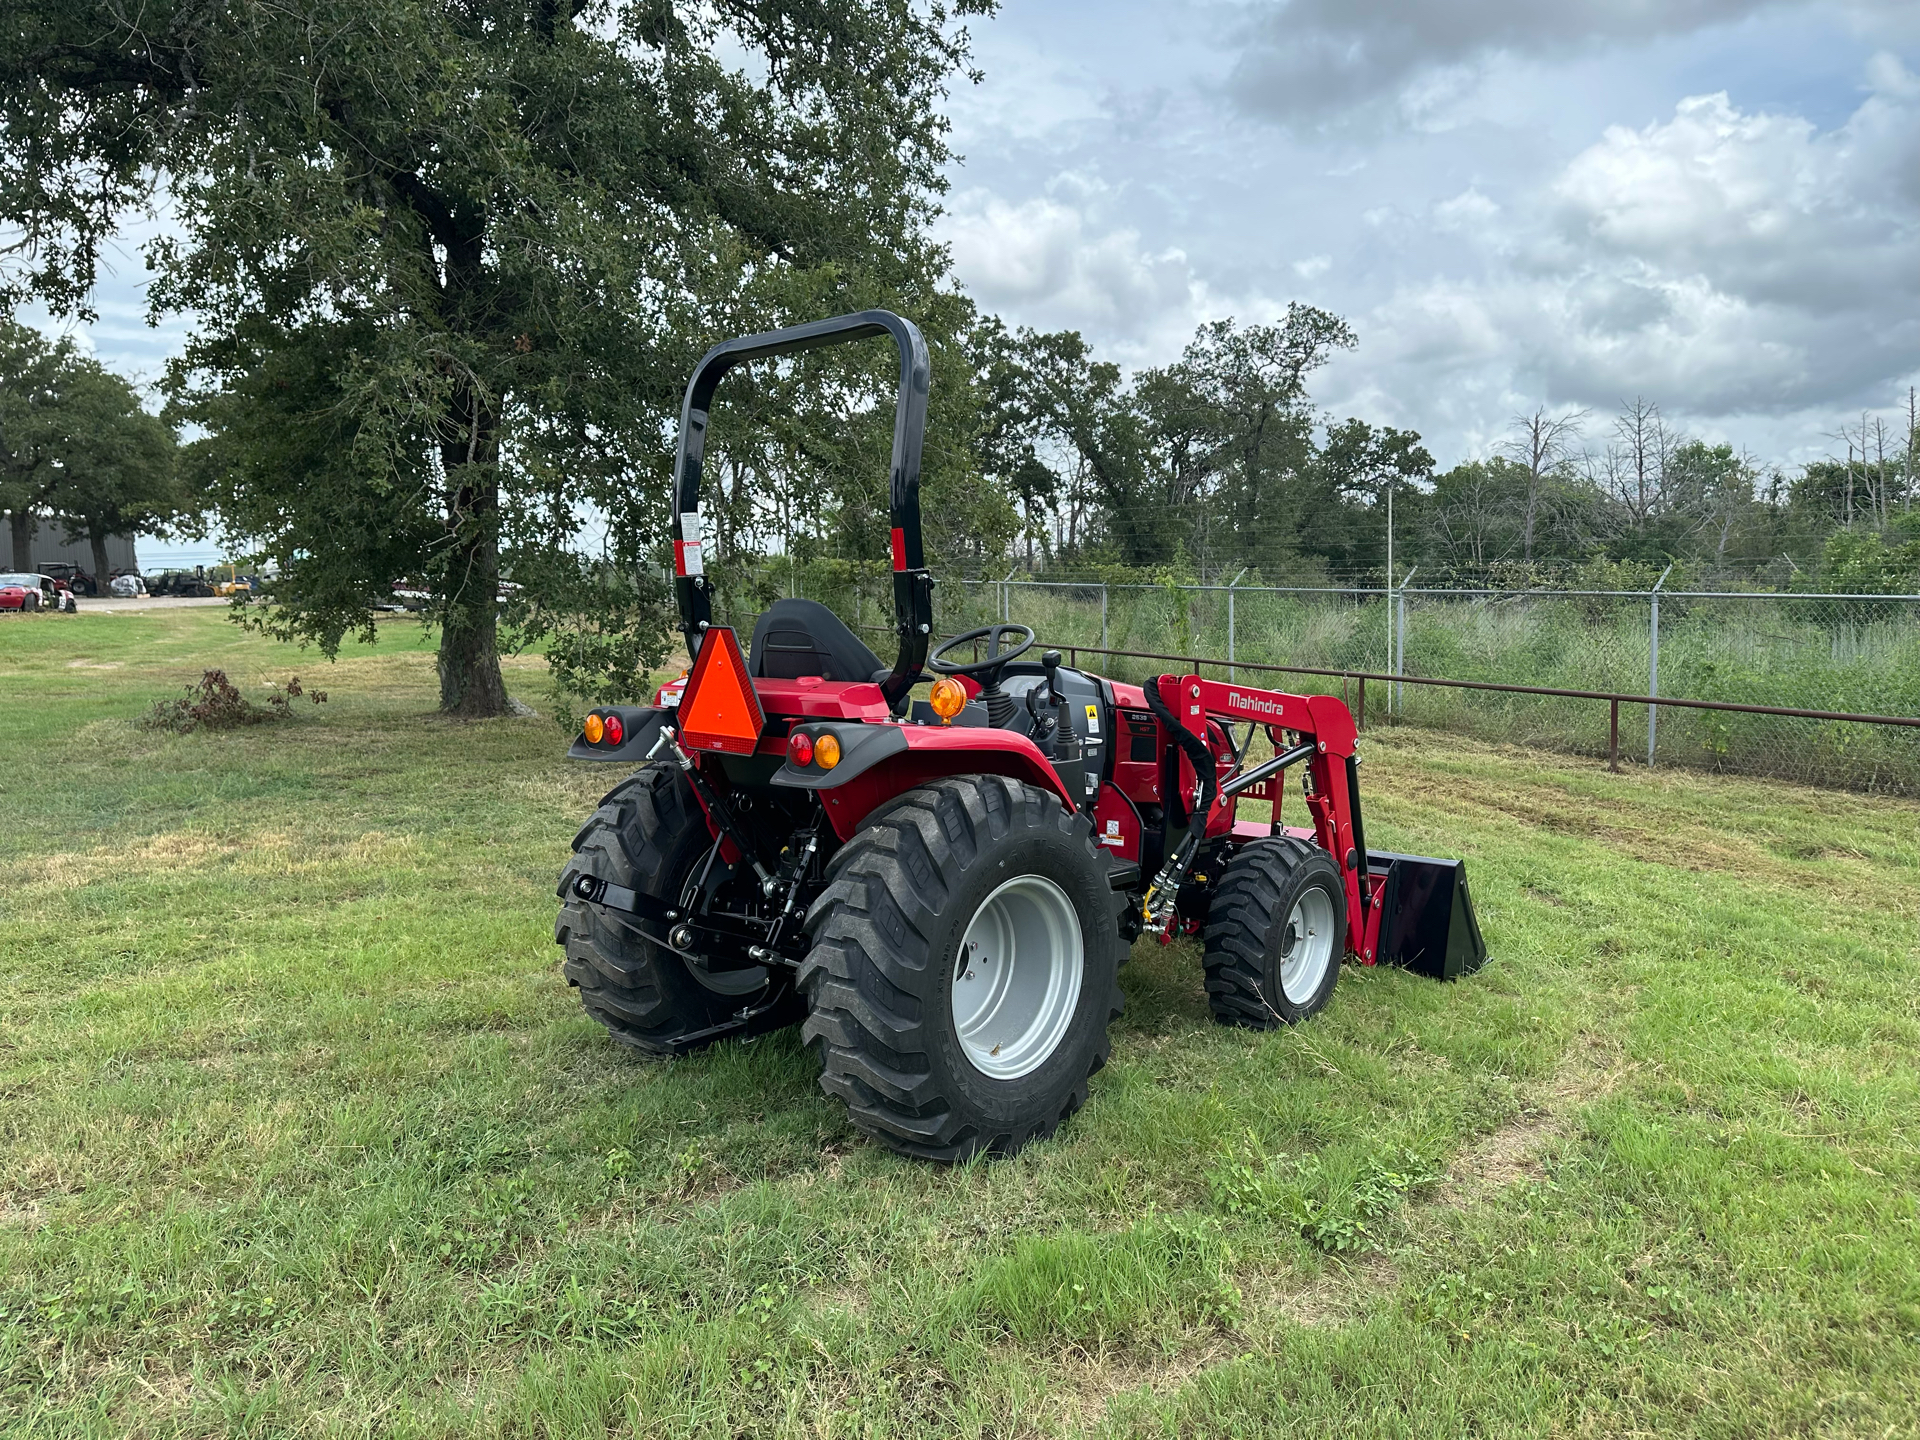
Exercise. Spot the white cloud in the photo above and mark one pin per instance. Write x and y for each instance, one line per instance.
(1726, 263)
(1051, 262)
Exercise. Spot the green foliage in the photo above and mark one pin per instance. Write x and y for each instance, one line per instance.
(1868, 563)
(447, 282)
(77, 446)
(1336, 1211)
(602, 632)
(1209, 454)
(1098, 1289)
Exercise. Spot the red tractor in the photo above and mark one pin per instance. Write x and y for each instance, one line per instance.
(940, 888)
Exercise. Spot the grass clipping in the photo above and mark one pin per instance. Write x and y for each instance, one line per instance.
(215, 703)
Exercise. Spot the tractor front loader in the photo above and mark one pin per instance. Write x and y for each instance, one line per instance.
(940, 887)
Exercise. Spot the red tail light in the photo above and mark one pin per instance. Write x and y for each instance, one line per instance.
(616, 732)
(800, 749)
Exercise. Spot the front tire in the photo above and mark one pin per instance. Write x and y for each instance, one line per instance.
(1275, 935)
(961, 973)
(648, 834)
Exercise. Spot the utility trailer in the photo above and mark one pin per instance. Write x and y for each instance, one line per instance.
(940, 887)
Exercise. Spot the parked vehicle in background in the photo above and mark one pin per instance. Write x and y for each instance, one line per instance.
(179, 582)
(411, 594)
(23, 590)
(232, 583)
(71, 576)
(19, 592)
(127, 587)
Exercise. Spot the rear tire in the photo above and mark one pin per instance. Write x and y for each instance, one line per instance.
(648, 834)
(971, 884)
(1277, 930)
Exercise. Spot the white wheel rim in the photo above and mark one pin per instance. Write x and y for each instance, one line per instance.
(1306, 946)
(1016, 979)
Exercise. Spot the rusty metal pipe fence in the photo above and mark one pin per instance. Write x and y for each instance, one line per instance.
(1358, 702)
(1818, 688)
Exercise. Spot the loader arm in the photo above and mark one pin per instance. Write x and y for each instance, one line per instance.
(1405, 909)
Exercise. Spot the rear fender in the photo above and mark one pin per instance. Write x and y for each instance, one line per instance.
(642, 727)
(878, 762)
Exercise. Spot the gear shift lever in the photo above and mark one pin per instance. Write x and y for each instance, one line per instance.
(1067, 750)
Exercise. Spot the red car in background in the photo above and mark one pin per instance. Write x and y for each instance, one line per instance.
(22, 591)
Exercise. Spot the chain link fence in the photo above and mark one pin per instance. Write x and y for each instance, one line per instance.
(1856, 654)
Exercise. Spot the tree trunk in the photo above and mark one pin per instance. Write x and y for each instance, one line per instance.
(21, 523)
(98, 540)
(471, 685)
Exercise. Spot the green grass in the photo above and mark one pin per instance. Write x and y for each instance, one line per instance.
(301, 1132)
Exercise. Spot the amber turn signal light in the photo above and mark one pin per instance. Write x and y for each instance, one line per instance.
(594, 729)
(947, 698)
(826, 752)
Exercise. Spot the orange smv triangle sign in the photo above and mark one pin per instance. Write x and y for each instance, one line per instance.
(718, 709)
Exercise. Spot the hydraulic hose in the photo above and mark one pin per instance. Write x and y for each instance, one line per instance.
(1197, 752)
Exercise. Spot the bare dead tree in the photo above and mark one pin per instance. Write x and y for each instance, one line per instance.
(1471, 520)
(1634, 468)
(1883, 489)
(1733, 491)
(1541, 442)
(1913, 438)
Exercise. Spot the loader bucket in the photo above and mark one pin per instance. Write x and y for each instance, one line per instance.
(1427, 922)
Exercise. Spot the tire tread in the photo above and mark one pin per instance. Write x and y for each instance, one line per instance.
(870, 930)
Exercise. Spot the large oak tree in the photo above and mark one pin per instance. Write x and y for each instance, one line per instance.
(448, 263)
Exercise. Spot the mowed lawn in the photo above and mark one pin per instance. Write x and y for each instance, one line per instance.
(302, 1132)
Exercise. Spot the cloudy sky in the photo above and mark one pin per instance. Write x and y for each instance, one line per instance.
(1714, 203)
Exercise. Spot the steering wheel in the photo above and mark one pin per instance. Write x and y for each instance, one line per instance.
(997, 659)
(999, 704)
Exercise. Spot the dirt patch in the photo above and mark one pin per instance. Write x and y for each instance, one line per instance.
(1593, 1066)
(1087, 1383)
(262, 852)
(1333, 1297)
(843, 1299)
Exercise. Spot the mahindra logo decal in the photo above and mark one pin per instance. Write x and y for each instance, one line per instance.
(1255, 703)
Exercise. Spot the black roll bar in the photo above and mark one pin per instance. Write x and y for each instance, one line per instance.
(912, 585)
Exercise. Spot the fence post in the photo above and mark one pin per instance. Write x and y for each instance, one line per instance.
(1653, 663)
(1613, 738)
(1103, 614)
(1231, 673)
(1400, 658)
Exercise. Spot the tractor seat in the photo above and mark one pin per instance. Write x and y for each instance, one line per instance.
(795, 638)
